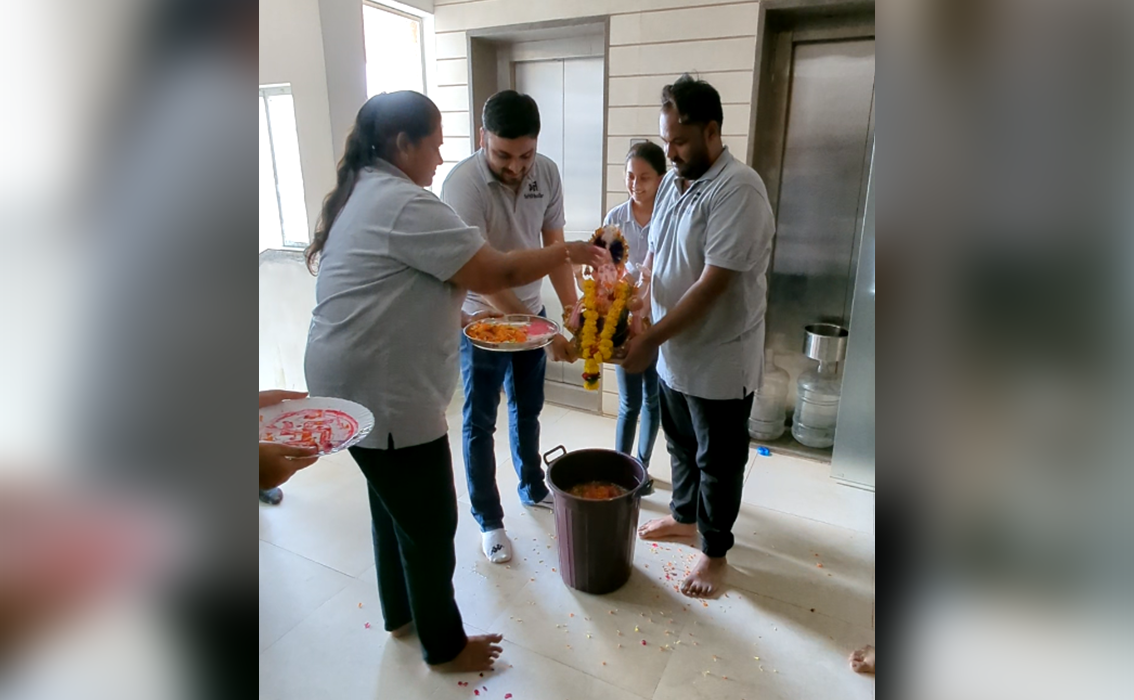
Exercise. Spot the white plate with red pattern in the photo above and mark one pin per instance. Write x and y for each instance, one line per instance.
(326, 423)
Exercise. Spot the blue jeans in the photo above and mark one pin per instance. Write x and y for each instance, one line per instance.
(630, 390)
(521, 374)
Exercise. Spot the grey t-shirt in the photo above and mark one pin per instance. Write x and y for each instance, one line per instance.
(723, 219)
(508, 220)
(386, 326)
(636, 235)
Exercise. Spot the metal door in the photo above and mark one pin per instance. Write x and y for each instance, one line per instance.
(854, 454)
(830, 127)
(569, 93)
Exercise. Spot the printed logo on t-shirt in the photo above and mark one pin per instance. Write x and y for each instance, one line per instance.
(533, 191)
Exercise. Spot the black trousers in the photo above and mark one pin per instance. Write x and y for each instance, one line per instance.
(708, 442)
(413, 506)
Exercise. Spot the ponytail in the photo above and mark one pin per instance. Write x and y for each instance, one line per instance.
(374, 136)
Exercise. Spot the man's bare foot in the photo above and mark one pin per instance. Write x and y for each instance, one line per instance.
(707, 579)
(862, 661)
(478, 655)
(666, 530)
(402, 631)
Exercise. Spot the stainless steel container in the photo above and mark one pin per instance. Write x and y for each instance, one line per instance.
(825, 342)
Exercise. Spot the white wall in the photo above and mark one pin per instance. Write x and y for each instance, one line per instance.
(651, 43)
(345, 58)
(287, 296)
(318, 47)
(291, 51)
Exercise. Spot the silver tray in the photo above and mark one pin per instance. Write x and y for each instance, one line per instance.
(534, 342)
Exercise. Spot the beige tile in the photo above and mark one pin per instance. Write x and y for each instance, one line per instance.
(609, 379)
(684, 57)
(804, 488)
(526, 674)
(551, 414)
(546, 602)
(455, 124)
(645, 91)
(616, 149)
(610, 403)
(456, 148)
(485, 590)
(803, 655)
(613, 199)
(775, 583)
(738, 146)
(331, 654)
(493, 13)
(451, 45)
(325, 516)
(615, 175)
(396, 670)
(632, 121)
(453, 71)
(684, 24)
(775, 557)
(578, 430)
(291, 588)
(452, 99)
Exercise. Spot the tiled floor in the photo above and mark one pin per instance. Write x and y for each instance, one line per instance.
(784, 630)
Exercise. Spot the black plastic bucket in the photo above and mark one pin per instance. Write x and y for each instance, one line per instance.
(596, 537)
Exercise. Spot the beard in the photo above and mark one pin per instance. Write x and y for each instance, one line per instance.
(508, 179)
(693, 168)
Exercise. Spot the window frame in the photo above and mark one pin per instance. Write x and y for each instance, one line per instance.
(420, 37)
(267, 91)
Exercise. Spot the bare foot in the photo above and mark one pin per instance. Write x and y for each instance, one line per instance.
(402, 631)
(862, 661)
(666, 530)
(707, 579)
(478, 655)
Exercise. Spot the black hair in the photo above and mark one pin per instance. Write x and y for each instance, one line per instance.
(510, 115)
(374, 135)
(696, 101)
(649, 152)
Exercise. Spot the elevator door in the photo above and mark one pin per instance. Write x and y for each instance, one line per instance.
(569, 93)
(830, 126)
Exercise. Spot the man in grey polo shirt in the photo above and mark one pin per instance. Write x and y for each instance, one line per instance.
(515, 197)
(710, 243)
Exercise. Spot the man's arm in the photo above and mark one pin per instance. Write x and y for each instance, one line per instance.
(563, 280)
(506, 302)
(563, 277)
(706, 290)
(641, 350)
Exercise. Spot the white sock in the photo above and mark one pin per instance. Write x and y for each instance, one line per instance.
(497, 546)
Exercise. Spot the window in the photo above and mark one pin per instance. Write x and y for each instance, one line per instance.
(395, 56)
(283, 211)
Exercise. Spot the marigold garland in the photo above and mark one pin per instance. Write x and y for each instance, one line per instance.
(593, 355)
(595, 347)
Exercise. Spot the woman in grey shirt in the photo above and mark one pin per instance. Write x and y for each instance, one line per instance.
(394, 263)
(638, 393)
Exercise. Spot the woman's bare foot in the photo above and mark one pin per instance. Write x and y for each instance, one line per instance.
(478, 655)
(402, 631)
(707, 579)
(862, 661)
(666, 530)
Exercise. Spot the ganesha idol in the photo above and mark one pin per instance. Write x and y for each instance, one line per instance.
(615, 306)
